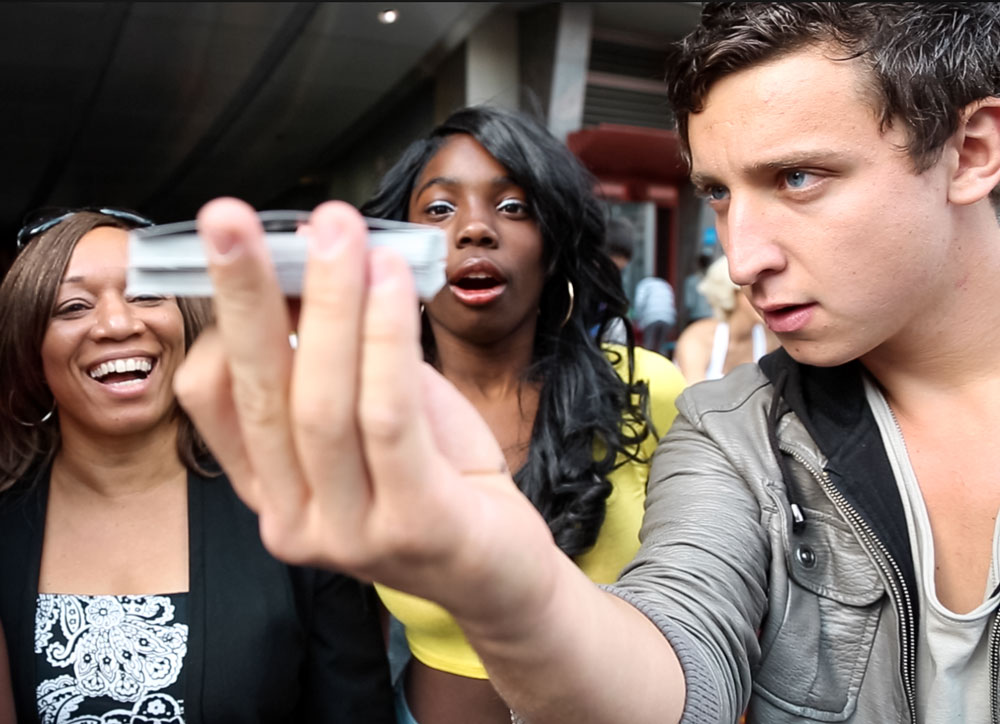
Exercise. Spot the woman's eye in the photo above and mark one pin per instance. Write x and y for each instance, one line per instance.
(147, 299)
(513, 206)
(70, 309)
(439, 208)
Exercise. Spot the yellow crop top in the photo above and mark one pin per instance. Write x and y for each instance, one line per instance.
(435, 638)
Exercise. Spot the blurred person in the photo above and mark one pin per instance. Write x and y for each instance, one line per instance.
(709, 348)
(618, 243)
(654, 312)
(813, 548)
(510, 330)
(133, 583)
(695, 304)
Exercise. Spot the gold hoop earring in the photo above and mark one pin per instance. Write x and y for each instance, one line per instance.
(569, 310)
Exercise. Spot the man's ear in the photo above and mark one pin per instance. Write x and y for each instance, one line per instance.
(978, 143)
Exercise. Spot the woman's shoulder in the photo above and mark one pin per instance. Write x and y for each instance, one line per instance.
(24, 499)
(699, 330)
(662, 377)
(650, 366)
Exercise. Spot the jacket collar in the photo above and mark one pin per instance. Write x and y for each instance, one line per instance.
(831, 403)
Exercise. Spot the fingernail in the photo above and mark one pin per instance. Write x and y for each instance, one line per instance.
(325, 240)
(224, 244)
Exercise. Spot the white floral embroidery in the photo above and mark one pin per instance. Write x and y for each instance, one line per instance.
(123, 647)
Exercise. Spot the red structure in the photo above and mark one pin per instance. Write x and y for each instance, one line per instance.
(639, 164)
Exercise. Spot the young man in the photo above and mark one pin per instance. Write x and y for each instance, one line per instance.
(820, 534)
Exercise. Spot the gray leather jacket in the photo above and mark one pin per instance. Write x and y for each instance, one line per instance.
(775, 555)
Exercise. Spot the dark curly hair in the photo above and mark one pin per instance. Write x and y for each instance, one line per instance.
(927, 61)
(587, 415)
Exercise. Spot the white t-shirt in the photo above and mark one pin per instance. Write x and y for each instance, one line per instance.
(654, 302)
(953, 671)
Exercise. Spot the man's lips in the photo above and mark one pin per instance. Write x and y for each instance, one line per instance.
(788, 318)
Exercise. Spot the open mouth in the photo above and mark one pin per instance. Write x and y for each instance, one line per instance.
(477, 282)
(129, 370)
(790, 318)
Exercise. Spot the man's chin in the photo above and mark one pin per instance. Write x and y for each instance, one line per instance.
(818, 354)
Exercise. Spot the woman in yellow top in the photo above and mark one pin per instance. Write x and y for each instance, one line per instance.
(526, 280)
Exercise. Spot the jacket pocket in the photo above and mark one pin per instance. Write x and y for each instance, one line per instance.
(815, 650)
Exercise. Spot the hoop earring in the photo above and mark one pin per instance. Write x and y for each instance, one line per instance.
(569, 311)
(45, 418)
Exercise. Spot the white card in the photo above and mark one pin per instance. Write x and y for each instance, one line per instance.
(170, 258)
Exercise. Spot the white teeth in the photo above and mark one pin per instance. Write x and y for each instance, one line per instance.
(131, 364)
(126, 383)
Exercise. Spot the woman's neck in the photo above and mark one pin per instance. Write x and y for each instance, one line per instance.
(117, 467)
(485, 371)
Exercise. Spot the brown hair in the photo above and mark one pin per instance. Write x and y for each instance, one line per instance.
(27, 298)
(926, 62)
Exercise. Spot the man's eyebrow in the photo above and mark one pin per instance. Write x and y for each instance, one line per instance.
(796, 159)
(704, 180)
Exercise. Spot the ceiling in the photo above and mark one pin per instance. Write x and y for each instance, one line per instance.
(160, 106)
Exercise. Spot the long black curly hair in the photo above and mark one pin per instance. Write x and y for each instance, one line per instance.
(587, 415)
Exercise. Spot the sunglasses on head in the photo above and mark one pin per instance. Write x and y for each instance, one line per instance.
(41, 221)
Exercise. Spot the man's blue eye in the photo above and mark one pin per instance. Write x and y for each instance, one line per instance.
(796, 179)
(717, 193)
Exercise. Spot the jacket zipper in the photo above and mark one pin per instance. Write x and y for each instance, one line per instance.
(994, 669)
(900, 596)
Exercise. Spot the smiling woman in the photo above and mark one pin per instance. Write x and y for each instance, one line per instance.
(109, 359)
(118, 535)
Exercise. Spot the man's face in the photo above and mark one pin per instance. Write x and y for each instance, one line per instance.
(839, 245)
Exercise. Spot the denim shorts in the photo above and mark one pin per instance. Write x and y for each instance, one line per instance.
(403, 713)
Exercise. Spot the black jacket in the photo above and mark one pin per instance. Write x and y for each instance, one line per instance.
(267, 642)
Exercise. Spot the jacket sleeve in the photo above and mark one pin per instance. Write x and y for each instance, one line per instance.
(345, 673)
(701, 572)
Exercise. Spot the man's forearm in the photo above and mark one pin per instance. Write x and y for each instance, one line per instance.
(585, 657)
